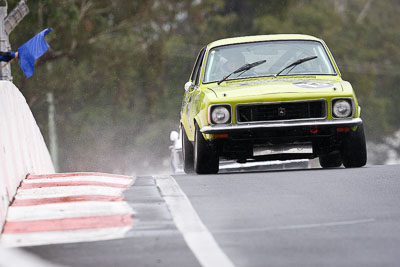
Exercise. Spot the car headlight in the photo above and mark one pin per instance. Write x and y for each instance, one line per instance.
(220, 114)
(342, 108)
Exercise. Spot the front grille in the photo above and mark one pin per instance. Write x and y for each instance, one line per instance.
(281, 111)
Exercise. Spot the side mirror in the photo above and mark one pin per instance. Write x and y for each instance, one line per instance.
(173, 136)
(189, 86)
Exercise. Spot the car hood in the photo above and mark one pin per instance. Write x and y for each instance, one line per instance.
(276, 86)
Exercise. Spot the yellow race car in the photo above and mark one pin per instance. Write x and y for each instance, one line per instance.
(269, 97)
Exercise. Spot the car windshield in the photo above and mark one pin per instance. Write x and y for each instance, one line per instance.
(224, 60)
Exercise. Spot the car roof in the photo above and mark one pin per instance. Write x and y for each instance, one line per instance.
(258, 38)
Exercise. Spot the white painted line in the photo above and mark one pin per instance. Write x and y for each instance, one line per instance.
(67, 210)
(65, 191)
(80, 178)
(59, 237)
(195, 233)
(299, 226)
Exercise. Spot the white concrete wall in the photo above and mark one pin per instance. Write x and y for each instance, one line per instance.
(22, 148)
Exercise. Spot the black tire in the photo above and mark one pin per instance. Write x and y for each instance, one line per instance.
(331, 160)
(206, 159)
(354, 149)
(187, 151)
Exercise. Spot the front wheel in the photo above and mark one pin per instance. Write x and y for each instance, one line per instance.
(354, 149)
(206, 159)
(187, 151)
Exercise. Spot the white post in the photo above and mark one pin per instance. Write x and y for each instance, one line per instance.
(5, 73)
(52, 130)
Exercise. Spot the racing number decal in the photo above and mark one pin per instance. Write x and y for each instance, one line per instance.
(188, 112)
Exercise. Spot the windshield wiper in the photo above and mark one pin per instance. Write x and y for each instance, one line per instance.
(242, 69)
(294, 64)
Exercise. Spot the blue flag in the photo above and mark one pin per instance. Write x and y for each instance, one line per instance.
(32, 50)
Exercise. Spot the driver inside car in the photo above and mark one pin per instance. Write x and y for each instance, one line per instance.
(228, 62)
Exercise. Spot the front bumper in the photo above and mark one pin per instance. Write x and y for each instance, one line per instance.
(214, 129)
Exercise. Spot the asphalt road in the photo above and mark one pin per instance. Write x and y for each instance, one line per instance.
(310, 217)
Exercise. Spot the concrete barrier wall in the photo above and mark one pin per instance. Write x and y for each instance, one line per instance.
(22, 148)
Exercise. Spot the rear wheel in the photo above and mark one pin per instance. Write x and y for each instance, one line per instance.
(187, 151)
(354, 149)
(206, 159)
(330, 161)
